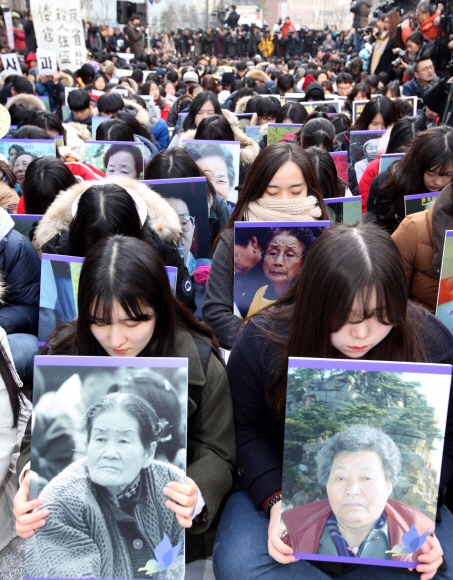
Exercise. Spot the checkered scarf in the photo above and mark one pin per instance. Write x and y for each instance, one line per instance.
(340, 543)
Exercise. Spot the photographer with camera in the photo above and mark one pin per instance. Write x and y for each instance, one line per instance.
(426, 18)
(361, 10)
(207, 42)
(230, 41)
(233, 17)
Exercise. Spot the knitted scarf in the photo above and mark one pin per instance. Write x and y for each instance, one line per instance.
(283, 210)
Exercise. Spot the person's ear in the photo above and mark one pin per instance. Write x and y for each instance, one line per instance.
(149, 456)
(389, 489)
(91, 105)
(254, 242)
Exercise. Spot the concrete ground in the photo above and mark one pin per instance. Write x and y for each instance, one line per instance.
(12, 560)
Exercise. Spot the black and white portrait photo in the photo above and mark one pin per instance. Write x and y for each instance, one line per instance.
(108, 436)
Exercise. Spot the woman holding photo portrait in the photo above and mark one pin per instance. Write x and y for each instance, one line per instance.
(350, 301)
(126, 308)
(281, 186)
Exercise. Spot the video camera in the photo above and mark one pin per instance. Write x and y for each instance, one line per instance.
(220, 13)
(385, 6)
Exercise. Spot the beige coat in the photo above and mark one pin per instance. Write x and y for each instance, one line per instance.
(414, 238)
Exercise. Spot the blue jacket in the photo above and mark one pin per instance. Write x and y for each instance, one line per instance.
(414, 88)
(161, 134)
(51, 90)
(21, 269)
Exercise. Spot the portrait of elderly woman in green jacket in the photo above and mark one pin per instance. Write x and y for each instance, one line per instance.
(359, 468)
(107, 511)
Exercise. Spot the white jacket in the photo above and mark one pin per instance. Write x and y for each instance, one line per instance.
(10, 440)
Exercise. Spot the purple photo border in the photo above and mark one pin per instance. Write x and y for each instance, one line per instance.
(208, 142)
(338, 153)
(26, 141)
(420, 195)
(111, 361)
(136, 143)
(176, 181)
(79, 578)
(368, 365)
(449, 233)
(343, 199)
(348, 560)
(313, 224)
(377, 132)
(392, 155)
(59, 258)
(25, 216)
(298, 125)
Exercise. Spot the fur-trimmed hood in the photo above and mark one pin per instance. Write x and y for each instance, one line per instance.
(82, 130)
(153, 114)
(241, 105)
(162, 218)
(66, 80)
(28, 100)
(147, 117)
(249, 148)
(258, 75)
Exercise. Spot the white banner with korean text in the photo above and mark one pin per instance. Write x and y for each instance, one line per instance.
(60, 29)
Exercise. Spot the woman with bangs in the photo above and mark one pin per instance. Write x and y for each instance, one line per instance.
(126, 308)
(350, 301)
(431, 153)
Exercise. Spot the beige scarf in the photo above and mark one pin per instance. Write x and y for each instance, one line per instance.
(283, 210)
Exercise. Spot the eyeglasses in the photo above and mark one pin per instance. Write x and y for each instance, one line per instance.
(187, 222)
(266, 119)
(273, 255)
(430, 67)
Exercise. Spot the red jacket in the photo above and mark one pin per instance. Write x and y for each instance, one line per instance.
(19, 39)
(306, 523)
(85, 171)
(428, 29)
(364, 185)
(286, 28)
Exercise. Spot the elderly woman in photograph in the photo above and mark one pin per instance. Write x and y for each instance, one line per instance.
(359, 468)
(107, 511)
(283, 255)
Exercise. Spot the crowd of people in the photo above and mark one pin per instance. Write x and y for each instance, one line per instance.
(366, 290)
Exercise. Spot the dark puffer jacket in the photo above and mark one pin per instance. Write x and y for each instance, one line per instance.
(20, 267)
